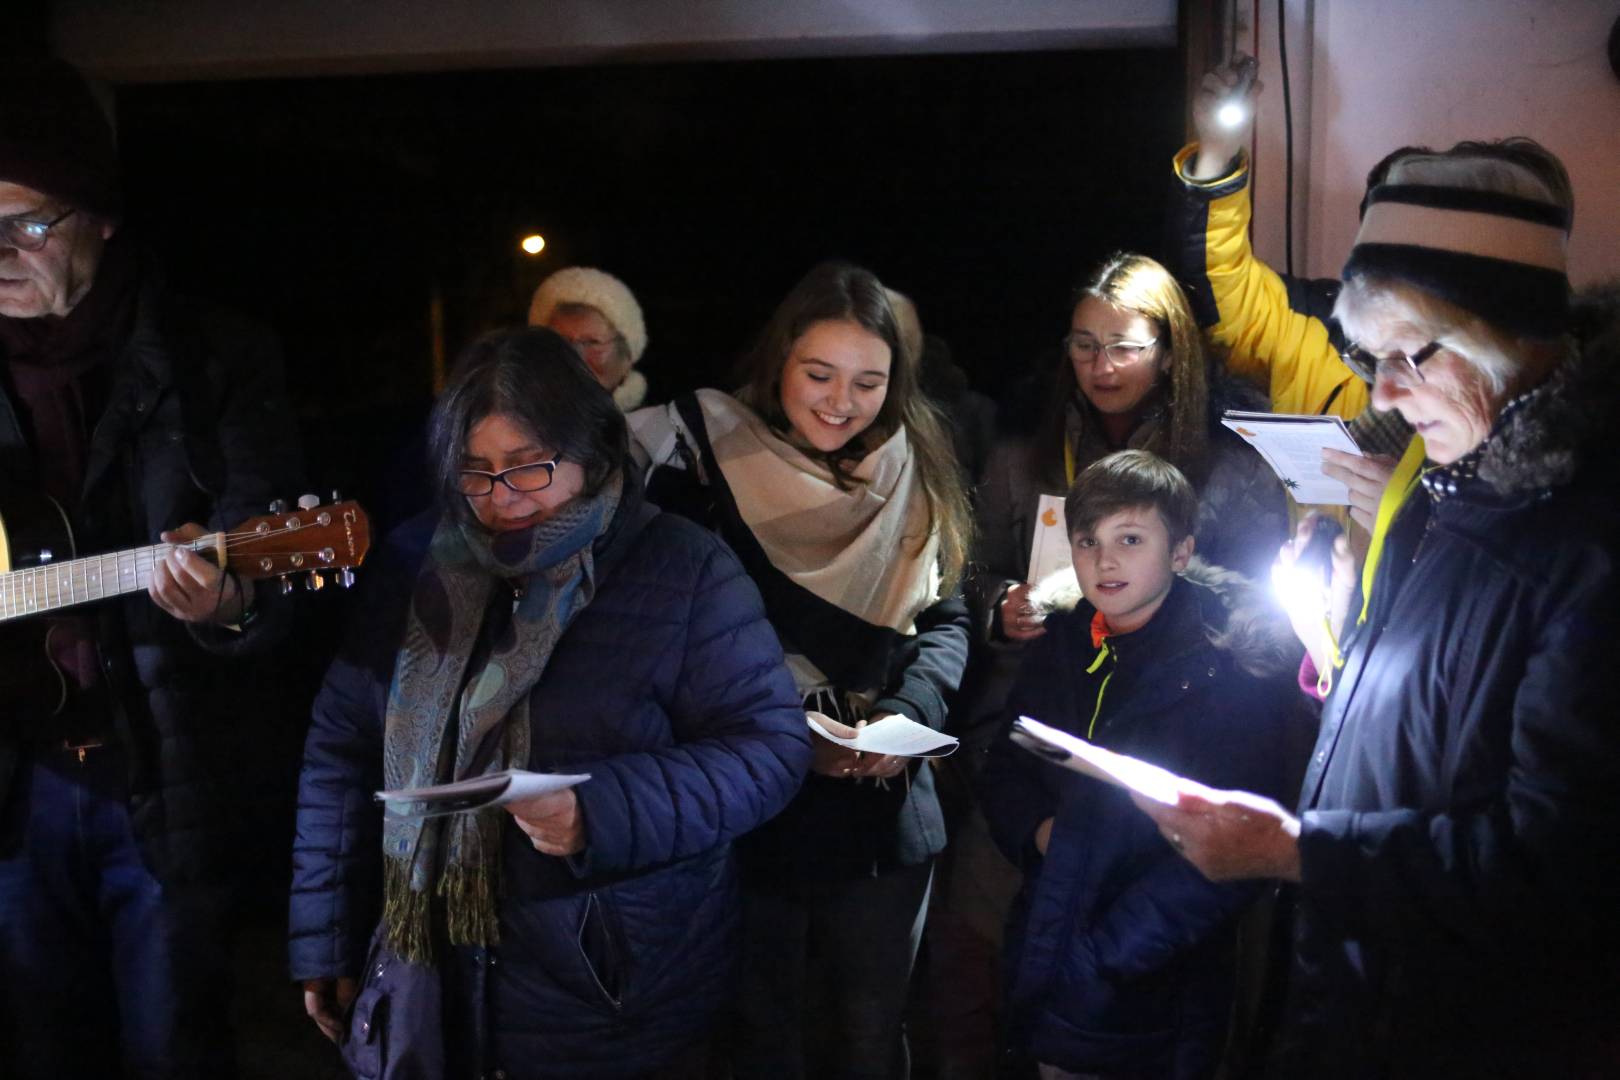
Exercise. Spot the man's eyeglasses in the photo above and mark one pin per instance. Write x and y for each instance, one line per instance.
(524, 479)
(1400, 368)
(27, 233)
(1085, 349)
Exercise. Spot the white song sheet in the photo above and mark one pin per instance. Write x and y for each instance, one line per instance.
(1292, 445)
(1121, 770)
(899, 736)
(1049, 549)
(496, 789)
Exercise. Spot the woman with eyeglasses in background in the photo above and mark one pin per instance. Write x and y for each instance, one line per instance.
(543, 617)
(1136, 373)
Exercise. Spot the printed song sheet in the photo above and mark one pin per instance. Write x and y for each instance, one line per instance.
(1121, 770)
(1292, 445)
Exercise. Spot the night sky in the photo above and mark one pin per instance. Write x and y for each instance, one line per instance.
(335, 209)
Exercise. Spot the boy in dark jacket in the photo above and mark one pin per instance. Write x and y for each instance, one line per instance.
(1121, 957)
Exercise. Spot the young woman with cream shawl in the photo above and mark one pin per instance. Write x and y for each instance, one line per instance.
(545, 617)
(831, 476)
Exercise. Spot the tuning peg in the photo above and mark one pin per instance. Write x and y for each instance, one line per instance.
(314, 581)
(345, 578)
(286, 586)
(337, 496)
(308, 502)
(278, 506)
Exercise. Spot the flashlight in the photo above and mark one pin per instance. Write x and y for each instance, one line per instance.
(1302, 588)
(1234, 111)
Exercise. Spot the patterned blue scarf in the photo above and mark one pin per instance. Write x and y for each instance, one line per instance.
(459, 703)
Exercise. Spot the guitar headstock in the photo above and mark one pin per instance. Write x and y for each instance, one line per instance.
(311, 539)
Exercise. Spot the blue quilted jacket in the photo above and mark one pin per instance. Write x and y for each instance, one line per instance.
(669, 690)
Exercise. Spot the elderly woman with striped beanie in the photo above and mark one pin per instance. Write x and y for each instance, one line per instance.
(1456, 855)
(598, 315)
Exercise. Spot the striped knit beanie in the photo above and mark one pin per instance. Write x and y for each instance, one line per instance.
(1500, 256)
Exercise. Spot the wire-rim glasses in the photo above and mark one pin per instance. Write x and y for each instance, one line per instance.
(27, 233)
(1085, 349)
(523, 479)
(1398, 367)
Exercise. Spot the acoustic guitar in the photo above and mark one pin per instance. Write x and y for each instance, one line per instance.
(40, 572)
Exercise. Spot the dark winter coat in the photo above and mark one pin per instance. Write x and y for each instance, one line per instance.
(1120, 955)
(1460, 850)
(196, 428)
(835, 829)
(669, 689)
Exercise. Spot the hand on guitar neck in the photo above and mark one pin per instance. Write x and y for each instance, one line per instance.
(190, 587)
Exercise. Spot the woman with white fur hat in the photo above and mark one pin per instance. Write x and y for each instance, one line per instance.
(598, 315)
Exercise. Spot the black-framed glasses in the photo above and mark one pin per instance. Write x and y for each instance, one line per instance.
(27, 233)
(1402, 369)
(524, 479)
(1085, 349)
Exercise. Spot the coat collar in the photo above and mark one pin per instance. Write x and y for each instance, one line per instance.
(1543, 438)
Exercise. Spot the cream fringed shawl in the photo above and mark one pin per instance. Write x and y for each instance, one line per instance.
(866, 547)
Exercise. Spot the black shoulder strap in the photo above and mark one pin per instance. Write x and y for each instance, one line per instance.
(852, 652)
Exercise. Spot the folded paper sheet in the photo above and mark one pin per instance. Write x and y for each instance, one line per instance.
(1121, 770)
(496, 789)
(899, 736)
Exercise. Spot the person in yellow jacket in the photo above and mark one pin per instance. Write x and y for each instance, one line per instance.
(1277, 330)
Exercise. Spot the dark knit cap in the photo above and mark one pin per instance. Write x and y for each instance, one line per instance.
(55, 137)
(1501, 257)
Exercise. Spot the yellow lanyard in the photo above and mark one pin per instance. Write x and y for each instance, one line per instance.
(1401, 484)
(1068, 461)
(1102, 655)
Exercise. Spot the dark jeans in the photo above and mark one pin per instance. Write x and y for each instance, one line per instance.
(825, 975)
(99, 963)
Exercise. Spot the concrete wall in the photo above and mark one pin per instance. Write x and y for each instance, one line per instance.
(1371, 75)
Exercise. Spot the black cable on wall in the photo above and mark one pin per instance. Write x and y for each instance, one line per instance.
(1288, 141)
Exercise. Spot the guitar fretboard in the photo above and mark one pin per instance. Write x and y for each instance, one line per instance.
(79, 581)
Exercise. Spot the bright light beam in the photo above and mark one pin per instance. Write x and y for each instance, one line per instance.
(1231, 115)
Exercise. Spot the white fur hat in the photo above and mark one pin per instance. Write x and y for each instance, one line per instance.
(597, 289)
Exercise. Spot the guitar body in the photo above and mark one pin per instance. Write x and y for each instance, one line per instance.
(34, 531)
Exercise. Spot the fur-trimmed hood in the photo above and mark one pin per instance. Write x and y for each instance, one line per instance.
(1546, 438)
(1239, 617)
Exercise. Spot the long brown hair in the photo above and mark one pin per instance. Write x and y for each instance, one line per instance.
(1138, 284)
(836, 291)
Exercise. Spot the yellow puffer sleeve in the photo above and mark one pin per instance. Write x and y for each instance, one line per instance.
(1254, 316)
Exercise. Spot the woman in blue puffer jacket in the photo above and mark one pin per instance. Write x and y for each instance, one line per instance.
(547, 618)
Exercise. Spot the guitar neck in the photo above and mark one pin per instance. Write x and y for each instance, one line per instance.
(81, 581)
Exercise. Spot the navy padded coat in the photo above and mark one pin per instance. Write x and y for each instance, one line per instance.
(1120, 954)
(669, 690)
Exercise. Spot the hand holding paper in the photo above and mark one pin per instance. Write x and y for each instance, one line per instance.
(1229, 835)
